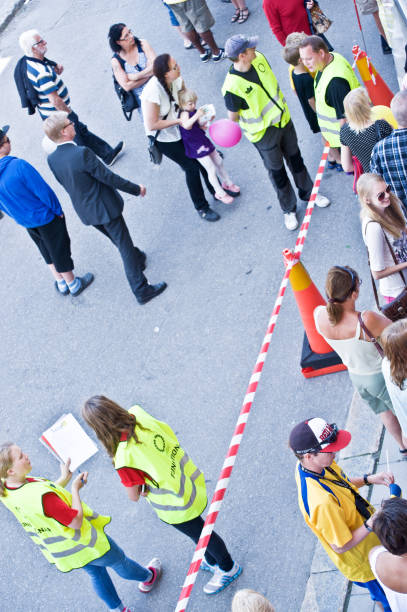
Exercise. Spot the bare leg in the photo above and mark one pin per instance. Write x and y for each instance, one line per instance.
(209, 39)
(181, 33)
(239, 4)
(210, 167)
(334, 154)
(67, 276)
(195, 40)
(376, 17)
(391, 423)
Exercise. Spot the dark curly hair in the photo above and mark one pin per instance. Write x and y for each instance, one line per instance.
(115, 33)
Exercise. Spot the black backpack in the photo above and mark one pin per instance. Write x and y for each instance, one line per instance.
(128, 99)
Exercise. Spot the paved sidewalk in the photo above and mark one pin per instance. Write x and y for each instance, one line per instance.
(8, 8)
(327, 589)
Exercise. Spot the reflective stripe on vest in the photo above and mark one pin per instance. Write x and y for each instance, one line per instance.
(177, 490)
(263, 112)
(327, 120)
(66, 547)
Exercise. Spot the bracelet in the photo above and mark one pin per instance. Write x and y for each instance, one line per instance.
(367, 526)
(365, 480)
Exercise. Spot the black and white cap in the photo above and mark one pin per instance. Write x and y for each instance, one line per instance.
(316, 435)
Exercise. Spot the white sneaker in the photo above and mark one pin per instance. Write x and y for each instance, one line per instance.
(322, 201)
(220, 580)
(290, 220)
(156, 569)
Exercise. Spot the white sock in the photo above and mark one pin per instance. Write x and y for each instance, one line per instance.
(62, 284)
(74, 286)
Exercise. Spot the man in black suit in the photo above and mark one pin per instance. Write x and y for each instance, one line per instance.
(93, 191)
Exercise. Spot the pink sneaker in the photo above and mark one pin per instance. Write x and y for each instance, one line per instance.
(235, 189)
(226, 199)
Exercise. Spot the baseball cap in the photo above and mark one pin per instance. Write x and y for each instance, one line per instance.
(238, 44)
(316, 435)
(3, 131)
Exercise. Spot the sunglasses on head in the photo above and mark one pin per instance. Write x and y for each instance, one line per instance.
(328, 440)
(380, 196)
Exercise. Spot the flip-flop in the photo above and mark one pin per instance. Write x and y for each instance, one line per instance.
(244, 15)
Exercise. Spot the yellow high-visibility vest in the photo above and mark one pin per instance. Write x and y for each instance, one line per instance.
(65, 547)
(265, 109)
(177, 491)
(328, 122)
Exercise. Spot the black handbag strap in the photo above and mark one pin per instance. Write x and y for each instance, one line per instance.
(371, 336)
(394, 259)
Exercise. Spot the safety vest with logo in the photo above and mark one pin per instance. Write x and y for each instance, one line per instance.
(67, 548)
(177, 490)
(267, 105)
(328, 122)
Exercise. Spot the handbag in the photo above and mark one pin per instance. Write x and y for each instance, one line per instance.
(128, 99)
(154, 152)
(320, 22)
(397, 309)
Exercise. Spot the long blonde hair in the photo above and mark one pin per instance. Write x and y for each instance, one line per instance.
(358, 111)
(340, 282)
(394, 342)
(392, 218)
(6, 461)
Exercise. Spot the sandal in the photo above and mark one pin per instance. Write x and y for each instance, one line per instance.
(236, 16)
(331, 164)
(244, 15)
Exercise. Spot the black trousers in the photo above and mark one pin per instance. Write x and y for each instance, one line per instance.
(119, 234)
(277, 145)
(216, 551)
(176, 152)
(85, 138)
(54, 244)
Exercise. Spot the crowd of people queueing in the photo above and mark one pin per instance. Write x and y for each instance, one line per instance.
(368, 546)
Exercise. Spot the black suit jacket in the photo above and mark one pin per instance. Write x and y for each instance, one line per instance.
(91, 186)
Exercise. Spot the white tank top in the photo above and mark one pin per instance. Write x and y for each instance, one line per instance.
(397, 601)
(359, 356)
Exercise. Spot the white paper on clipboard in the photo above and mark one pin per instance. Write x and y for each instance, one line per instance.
(68, 439)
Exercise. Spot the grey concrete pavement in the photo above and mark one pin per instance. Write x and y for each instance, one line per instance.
(194, 370)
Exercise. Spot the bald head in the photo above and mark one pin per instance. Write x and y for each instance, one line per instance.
(399, 107)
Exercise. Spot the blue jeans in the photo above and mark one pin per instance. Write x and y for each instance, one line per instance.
(122, 565)
(376, 593)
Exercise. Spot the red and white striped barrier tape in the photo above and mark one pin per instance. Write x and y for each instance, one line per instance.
(229, 462)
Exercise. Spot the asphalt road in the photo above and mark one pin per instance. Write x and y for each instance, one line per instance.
(187, 356)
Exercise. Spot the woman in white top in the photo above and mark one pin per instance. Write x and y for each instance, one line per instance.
(353, 335)
(389, 562)
(383, 223)
(160, 112)
(394, 367)
(132, 62)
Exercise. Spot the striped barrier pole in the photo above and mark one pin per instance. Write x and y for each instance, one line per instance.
(229, 462)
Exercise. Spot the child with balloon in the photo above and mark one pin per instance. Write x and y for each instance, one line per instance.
(198, 146)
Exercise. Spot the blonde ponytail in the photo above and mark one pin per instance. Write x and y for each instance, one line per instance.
(6, 462)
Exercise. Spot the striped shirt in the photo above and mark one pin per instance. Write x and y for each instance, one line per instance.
(45, 80)
(389, 160)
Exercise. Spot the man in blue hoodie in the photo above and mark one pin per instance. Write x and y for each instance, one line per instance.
(26, 197)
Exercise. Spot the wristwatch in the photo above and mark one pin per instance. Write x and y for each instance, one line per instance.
(365, 479)
(367, 526)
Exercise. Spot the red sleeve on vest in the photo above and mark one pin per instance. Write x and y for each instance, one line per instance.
(131, 476)
(56, 508)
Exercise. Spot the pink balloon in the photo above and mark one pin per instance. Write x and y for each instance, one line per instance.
(225, 133)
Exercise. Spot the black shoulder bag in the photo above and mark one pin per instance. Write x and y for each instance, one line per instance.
(128, 99)
(154, 152)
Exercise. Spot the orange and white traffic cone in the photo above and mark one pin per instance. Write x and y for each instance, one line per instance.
(317, 356)
(379, 92)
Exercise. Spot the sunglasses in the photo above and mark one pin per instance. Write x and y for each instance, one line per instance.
(318, 449)
(380, 196)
